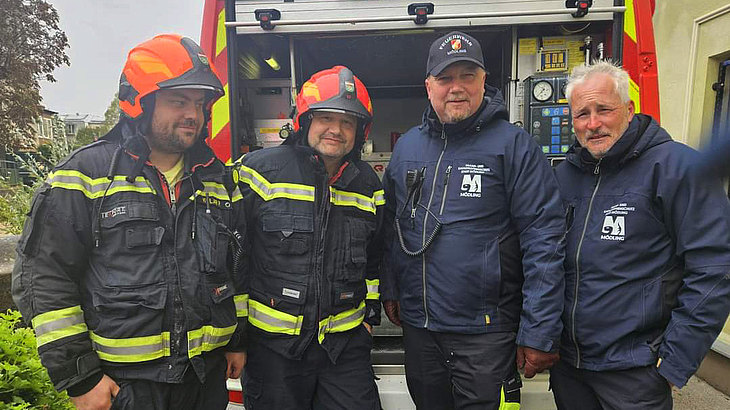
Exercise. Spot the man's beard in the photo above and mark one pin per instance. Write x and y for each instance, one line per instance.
(167, 139)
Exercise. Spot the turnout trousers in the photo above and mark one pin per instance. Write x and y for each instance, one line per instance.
(191, 394)
(272, 381)
(446, 371)
(639, 388)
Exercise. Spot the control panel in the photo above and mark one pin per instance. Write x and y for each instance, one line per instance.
(547, 114)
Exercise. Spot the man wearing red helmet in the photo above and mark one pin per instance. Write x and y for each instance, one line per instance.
(314, 212)
(123, 266)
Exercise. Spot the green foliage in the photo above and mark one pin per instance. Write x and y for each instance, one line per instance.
(24, 382)
(87, 135)
(31, 47)
(14, 204)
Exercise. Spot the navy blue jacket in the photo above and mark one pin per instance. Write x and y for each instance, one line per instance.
(497, 262)
(647, 256)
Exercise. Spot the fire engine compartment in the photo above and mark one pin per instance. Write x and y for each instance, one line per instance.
(392, 66)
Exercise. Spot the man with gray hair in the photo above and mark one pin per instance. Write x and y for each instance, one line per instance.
(647, 254)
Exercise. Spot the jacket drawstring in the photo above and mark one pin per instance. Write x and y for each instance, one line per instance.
(110, 177)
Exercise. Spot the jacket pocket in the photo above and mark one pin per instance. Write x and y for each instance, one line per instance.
(358, 234)
(286, 296)
(491, 278)
(129, 312)
(217, 292)
(290, 237)
(212, 244)
(347, 295)
(130, 249)
(659, 298)
(34, 222)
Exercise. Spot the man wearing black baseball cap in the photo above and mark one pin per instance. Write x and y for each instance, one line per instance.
(474, 259)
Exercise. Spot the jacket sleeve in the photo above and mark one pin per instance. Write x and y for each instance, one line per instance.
(374, 263)
(697, 214)
(536, 212)
(388, 283)
(52, 256)
(239, 268)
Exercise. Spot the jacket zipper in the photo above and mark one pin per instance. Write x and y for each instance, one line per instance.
(596, 171)
(446, 189)
(425, 220)
(320, 260)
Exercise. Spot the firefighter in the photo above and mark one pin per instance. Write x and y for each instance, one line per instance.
(474, 267)
(315, 215)
(648, 254)
(123, 266)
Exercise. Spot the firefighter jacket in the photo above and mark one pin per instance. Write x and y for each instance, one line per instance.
(488, 204)
(648, 255)
(316, 249)
(116, 274)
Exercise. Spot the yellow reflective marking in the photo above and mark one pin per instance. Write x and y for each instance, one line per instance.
(220, 36)
(266, 196)
(630, 20)
(61, 333)
(311, 90)
(635, 95)
(44, 318)
(151, 65)
(220, 114)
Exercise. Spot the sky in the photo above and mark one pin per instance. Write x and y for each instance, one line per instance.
(100, 34)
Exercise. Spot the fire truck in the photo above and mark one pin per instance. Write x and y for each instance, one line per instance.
(264, 50)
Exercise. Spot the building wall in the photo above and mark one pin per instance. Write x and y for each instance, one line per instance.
(692, 38)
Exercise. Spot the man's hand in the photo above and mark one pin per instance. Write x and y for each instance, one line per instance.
(368, 327)
(98, 398)
(236, 361)
(535, 361)
(392, 310)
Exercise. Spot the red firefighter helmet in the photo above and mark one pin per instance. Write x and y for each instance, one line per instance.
(336, 90)
(166, 61)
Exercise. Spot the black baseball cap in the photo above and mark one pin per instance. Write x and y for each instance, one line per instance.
(453, 47)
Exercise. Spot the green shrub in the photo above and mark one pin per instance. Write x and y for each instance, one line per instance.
(14, 204)
(24, 382)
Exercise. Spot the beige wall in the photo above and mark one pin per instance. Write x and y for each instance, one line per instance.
(692, 37)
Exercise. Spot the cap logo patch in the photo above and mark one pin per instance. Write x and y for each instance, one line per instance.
(349, 87)
(456, 44)
(203, 59)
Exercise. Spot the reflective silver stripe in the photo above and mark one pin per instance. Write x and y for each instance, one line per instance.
(207, 338)
(164, 345)
(94, 188)
(379, 197)
(59, 324)
(288, 324)
(344, 198)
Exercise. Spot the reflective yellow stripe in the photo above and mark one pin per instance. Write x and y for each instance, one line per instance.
(272, 320)
(133, 349)
(241, 302)
(630, 20)
(268, 191)
(57, 324)
(359, 201)
(208, 338)
(97, 187)
(220, 35)
(220, 114)
(372, 286)
(215, 190)
(635, 95)
(342, 321)
(505, 405)
(236, 195)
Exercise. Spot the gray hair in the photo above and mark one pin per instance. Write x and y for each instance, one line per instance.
(582, 72)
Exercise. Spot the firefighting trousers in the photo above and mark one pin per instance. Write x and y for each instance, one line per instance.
(450, 371)
(639, 388)
(272, 381)
(191, 394)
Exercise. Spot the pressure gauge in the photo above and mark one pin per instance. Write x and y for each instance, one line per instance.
(542, 91)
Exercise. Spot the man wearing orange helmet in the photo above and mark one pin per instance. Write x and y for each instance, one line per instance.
(123, 266)
(314, 212)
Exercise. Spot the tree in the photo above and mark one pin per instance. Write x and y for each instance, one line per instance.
(31, 47)
(111, 115)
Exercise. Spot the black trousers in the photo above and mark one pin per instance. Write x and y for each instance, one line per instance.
(460, 371)
(640, 388)
(137, 394)
(273, 382)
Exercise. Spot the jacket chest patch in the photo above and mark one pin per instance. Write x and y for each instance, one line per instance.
(614, 222)
(471, 179)
(120, 210)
